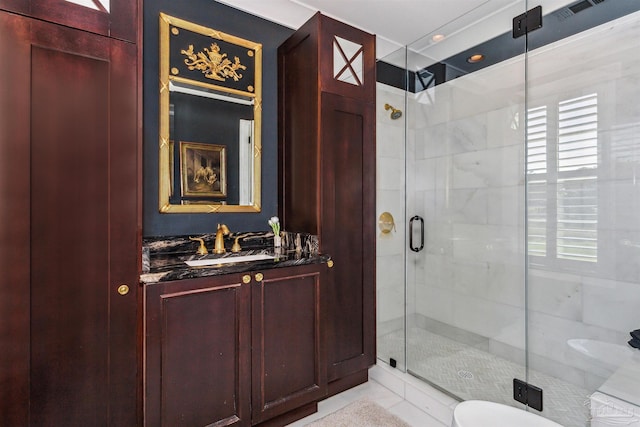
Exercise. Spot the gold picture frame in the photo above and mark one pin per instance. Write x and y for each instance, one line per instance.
(193, 77)
(203, 170)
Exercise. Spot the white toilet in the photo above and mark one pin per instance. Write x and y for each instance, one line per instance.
(480, 413)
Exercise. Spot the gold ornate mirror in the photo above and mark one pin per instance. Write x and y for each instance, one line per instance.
(210, 120)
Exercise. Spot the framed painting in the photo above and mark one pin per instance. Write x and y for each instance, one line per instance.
(203, 170)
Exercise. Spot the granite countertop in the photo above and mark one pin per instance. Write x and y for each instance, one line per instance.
(164, 258)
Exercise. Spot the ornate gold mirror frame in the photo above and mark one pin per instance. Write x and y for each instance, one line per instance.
(215, 66)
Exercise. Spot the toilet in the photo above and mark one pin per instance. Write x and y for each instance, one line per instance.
(480, 413)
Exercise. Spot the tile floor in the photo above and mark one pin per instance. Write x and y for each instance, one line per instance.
(384, 396)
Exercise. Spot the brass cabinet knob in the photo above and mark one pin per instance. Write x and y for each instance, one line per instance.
(246, 278)
(330, 263)
(123, 289)
(259, 277)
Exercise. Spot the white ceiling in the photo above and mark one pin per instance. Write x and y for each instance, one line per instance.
(398, 23)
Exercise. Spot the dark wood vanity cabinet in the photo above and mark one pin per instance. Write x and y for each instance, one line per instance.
(198, 352)
(288, 363)
(238, 349)
(69, 234)
(327, 176)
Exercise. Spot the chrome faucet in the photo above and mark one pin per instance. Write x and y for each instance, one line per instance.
(223, 230)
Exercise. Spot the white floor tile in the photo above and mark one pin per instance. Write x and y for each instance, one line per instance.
(414, 416)
(375, 392)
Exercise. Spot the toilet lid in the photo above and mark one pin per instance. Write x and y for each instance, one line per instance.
(480, 413)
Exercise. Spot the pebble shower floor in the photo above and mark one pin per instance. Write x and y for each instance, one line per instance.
(471, 373)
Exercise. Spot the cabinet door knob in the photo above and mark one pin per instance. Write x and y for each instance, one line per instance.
(246, 279)
(330, 263)
(259, 277)
(123, 289)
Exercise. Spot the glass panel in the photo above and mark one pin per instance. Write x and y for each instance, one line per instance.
(465, 179)
(390, 191)
(101, 5)
(583, 199)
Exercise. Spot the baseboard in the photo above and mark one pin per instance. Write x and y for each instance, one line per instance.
(348, 382)
(291, 416)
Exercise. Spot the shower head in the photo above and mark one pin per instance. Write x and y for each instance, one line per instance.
(395, 113)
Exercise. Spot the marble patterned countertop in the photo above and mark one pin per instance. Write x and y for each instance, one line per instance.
(163, 258)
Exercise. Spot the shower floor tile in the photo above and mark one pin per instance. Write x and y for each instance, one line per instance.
(470, 373)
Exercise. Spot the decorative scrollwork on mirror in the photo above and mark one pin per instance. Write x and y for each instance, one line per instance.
(210, 147)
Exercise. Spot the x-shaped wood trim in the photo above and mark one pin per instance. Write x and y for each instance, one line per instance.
(348, 61)
(99, 6)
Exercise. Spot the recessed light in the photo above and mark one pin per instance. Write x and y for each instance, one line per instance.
(437, 37)
(475, 58)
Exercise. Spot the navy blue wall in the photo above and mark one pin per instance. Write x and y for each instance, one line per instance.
(232, 21)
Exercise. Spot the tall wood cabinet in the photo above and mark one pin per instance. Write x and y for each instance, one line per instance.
(70, 221)
(327, 177)
(113, 18)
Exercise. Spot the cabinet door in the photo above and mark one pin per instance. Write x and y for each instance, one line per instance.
(287, 353)
(68, 182)
(197, 346)
(347, 232)
(112, 18)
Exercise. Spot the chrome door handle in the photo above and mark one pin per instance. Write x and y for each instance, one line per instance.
(416, 249)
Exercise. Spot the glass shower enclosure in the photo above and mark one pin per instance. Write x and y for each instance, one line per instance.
(512, 176)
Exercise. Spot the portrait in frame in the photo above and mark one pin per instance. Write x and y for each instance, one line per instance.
(203, 170)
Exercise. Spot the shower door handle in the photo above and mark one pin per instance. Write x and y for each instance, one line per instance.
(416, 249)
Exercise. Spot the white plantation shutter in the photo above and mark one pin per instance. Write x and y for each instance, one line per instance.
(563, 223)
(577, 194)
(537, 180)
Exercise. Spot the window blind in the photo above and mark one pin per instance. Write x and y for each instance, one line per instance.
(537, 180)
(563, 221)
(577, 193)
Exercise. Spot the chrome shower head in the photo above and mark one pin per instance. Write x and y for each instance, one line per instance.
(395, 113)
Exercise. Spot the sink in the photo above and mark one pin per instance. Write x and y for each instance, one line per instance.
(228, 260)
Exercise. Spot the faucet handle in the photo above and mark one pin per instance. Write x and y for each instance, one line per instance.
(236, 246)
(202, 250)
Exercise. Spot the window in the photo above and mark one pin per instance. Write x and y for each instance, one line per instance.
(562, 166)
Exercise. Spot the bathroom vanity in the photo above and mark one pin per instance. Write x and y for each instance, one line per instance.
(239, 343)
